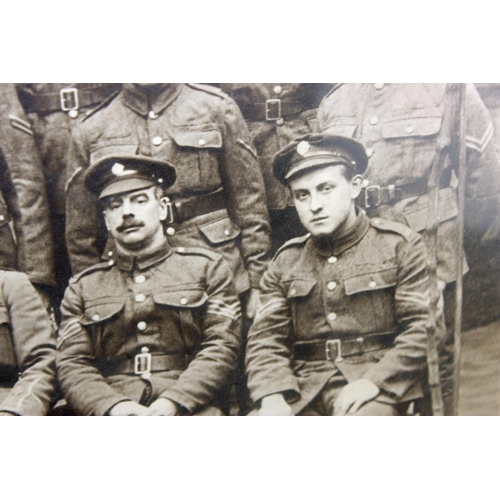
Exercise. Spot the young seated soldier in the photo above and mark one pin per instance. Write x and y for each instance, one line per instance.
(27, 349)
(341, 324)
(155, 330)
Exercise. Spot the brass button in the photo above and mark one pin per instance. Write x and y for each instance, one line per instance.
(170, 231)
(140, 297)
(277, 90)
(110, 253)
(140, 279)
(331, 286)
(111, 262)
(73, 113)
(142, 325)
(226, 232)
(184, 301)
(369, 152)
(95, 317)
(372, 284)
(332, 316)
(332, 260)
(409, 129)
(202, 142)
(293, 291)
(2, 217)
(379, 86)
(157, 140)
(374, 120)
(280, 121)
(152, 115)
(181, 249)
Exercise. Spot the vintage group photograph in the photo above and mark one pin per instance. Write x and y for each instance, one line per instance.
(249, 249)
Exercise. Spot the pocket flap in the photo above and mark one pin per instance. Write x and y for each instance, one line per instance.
(97, 313)
(367, 282)
(197, 138)
(412, 127)
(300, 288)
(113, 149)
(343, 129)
(220, 231)
(181, 298)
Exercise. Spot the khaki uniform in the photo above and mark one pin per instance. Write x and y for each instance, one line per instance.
(362, 297)
(53, 110)
(399, 125)
(218, 198)
(179, 303)
(277, 113)
(25, 230)
(27, 349)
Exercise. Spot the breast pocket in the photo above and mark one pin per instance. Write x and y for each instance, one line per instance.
(299, 294)
(220, 232)
(196, 159)
(371, 299)
(412, 142)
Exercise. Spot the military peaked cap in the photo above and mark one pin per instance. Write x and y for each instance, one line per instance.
(119, 174)
(319, 150)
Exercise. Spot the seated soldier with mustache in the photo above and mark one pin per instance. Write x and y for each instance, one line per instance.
(156, 330)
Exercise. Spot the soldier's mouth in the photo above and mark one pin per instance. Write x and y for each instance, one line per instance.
(319, 219)
(129, 228)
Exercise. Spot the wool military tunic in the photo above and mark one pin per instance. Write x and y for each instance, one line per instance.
(219, 186)
(27, 348)
(370, 281)
(25, 230)
(176, 302)
(400, 126)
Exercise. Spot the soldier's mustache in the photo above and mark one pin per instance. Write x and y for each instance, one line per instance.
(128, 225)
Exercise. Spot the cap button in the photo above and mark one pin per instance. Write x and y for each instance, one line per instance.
(170, 231)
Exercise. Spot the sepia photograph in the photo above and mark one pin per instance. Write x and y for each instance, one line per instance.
(250, 249)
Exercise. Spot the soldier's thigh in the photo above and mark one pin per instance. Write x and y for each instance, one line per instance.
(376, 409)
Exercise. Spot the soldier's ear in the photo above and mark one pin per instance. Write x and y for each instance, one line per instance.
(162, 209)
(357, 184)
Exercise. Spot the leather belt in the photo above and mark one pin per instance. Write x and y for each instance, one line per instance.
(71, 98)
(272, 110)
(336, 349)
(201, 205)
(142, 364)
(373, 196)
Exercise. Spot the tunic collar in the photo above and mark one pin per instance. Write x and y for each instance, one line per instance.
(129, 263)
(334, 246)
(143, 100)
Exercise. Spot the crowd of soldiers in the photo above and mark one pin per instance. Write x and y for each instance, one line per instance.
(234, 249)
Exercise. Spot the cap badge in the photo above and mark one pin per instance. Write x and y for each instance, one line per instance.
(119, 170)
(303, 147)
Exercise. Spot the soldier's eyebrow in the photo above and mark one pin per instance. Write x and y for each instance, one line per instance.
(319, 187)
(138, 194)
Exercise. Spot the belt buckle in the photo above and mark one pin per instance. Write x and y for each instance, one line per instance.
(273, 110)
(372, 200)
(339, 350)
(69, 99)
(142, 363)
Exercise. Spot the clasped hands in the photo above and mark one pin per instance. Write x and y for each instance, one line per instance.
(351, 398)
(161, 407)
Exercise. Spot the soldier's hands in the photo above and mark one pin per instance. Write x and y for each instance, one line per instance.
(274, 405)
(252, 300)
(354, 395)
(164, 407)
(128, 409)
